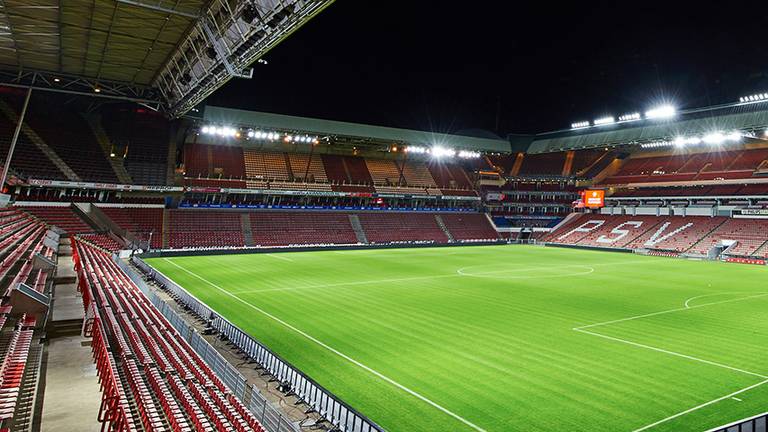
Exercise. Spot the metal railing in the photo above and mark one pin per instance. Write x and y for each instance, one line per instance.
(270, 417)
(332, 408)
(758, 423)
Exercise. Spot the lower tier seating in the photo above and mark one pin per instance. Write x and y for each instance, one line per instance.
(677, 234)
(150, 377)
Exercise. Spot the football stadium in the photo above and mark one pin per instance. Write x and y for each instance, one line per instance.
(173, 262)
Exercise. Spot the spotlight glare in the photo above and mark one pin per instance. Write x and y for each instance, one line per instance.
(605, 121)
(661, 112)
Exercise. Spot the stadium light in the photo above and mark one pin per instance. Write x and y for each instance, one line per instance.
(661, 112)
(417, 150)
(580, 125)
(605, 121)
(464, 154)
(630, 117)
(760, 97)
(439, 151)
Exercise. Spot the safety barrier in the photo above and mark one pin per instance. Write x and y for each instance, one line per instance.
(333, 409)
(757, 423)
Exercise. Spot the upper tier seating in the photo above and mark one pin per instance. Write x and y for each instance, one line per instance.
(265, 165)
(62, 217)
(358, 170)
(334, 169)
(401, 227)
(719, 190)
(139, 221)
(189, 228)
(417, 174)
(543, 164)
(298, 228)
(27, 159)
(151, 378)
(70, 136)
(734, 164)
(143, 136)
(202, 160)
(383, 171)
(316, 171)
(469, 226)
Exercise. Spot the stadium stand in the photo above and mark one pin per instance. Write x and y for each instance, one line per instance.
(417, 227)
(149, 375)
(142, 136)
(543, 164)
(62, 217)
(191, 229)
(140, 222)
(266, 165)
(300, 228)
(383, 171)
(469, 227)
(28, 160)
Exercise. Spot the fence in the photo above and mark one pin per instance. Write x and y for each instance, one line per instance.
(758, 423)
(333, 409)
(271, 418)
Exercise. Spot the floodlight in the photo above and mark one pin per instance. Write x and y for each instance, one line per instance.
(580, 125)
(605, 121)
(664, 111)
(630, 117)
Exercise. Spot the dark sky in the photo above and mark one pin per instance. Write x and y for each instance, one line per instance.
(440, 66)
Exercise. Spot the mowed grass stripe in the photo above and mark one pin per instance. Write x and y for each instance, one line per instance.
(496, 350)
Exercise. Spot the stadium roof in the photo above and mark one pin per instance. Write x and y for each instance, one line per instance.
(234, 117)
(170, 52)
(733, 117)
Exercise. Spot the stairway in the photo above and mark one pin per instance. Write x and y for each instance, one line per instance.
(166, 223)
(28, 397)
(106, 146)
(357, 227)
(288, 168)
(245, 223)
(35, 139)
(442, 226)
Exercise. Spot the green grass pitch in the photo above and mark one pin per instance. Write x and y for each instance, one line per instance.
(506, 338)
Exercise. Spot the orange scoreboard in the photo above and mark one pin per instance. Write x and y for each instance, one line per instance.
(593, 198)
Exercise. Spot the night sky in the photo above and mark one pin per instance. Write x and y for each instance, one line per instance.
(508, 67)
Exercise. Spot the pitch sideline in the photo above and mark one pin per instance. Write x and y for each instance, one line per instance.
(335, 351)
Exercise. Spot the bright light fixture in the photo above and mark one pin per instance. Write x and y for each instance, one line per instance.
(630, 117)
(664, 111)
(605, 121)
(580, 125)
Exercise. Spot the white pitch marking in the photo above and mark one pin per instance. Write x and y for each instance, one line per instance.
(687, 302)
(667, 311)
(737, 399)
(673, 353)
(335, 351)
(690, 410)
(279, 257)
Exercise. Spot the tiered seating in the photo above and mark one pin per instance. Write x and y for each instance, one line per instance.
(301, 228)
(62, 217)
(103, 241)
(70, 136)
(583, 159)
(669, 233)
(399, 227)
(543, 164)
(316, 171)
(734, 164)
(358, 170)
(265, 165)
(750, 234)
(417, 174)
(334, 169)
(149, 375)
(228, 161)
(27, 159)
(226, 184)
(191, 229)
(143, 136)
(139, 221)
(12, 368)
(383, 171)
(469, 227)
(441, 174)
(196, 161)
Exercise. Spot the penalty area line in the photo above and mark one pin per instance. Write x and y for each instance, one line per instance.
(337, 352)
(698, 407)
(279, 257)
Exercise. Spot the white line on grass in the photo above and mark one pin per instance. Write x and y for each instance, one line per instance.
(673, 353)
(690, 410)
(335, 351)
(687, 302)
(668, 311)
(279, 257)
